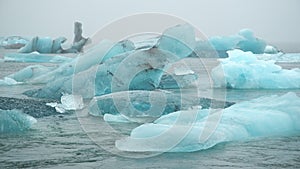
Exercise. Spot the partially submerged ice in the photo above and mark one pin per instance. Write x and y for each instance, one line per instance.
(35, 57)
(13, 42)
(44, 45)
(29, 73)
(7, 81)
(188, 131)
(15, 121)
(68, 102)
(244, 40)
(242, 70)
(48, 45)
(145, 106)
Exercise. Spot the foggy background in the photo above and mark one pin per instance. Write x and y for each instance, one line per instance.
(276, 21)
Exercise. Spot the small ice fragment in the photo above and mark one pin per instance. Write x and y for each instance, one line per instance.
(115, 118)
(72, 102)
(68, 102)
(183, 71)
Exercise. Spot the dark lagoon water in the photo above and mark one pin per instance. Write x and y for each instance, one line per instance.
(58, 141)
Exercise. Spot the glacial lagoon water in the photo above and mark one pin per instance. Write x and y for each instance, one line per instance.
(58, 141)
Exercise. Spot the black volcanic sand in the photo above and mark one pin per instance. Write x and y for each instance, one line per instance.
(38, 108)
(34, 108)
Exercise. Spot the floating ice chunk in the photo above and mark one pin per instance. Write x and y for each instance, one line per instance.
(43, 45)
(270, 49)
(68, 102)
(186, 131)
(35, 57)
(144, 106)
(13, 42)
(115, 118)
(138, 105)
(15, 121)
(244, 71)
(29, 73)
(244, 40)
(250, 42)
(179, 40)
(225, 43)
(72, 102)
(7, 81)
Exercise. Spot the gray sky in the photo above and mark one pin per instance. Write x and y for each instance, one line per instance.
(276, 21)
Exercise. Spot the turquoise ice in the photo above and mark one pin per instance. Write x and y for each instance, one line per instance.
(15, 121)
(242, 70)
(244, 40)
(187, 131)
(35, 57)
(13, 42)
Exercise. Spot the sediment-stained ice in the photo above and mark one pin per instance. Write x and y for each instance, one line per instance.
(138, 105)
(15, 121)
(145, 106)
(188, 131)
(242, 70)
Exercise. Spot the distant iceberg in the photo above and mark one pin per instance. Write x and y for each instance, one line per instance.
(242, 70)
(244, 40)
(15, 121)
(13, 42)
(49, 45)
(188, 131)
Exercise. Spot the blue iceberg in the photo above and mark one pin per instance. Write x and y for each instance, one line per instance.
(145, 106)
(79, 71)
(188, 131)
(43, 45)
(112, 67)
(242, 70)
(15, 121)
(244, 40)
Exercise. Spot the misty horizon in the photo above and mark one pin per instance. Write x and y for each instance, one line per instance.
(272, 21)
